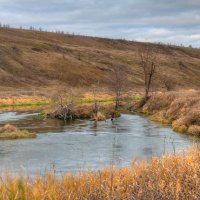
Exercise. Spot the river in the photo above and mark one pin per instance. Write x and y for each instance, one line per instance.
(84, 144)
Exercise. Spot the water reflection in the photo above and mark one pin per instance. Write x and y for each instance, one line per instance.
(85, 144)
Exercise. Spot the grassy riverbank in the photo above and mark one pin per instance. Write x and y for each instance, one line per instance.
(23, 101)
(170, 177)
(180, 109)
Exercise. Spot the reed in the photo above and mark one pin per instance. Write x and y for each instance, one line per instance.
(170, 177)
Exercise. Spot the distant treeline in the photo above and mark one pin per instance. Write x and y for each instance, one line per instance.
(32, 28)
(40, 29)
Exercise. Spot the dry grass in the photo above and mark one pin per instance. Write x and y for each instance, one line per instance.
(11, 132)
(102, 96)
(40, 60)
(181, 109)
(84, 111)
(194, 129)
(99, 117)
(173, 177)
(23, 101)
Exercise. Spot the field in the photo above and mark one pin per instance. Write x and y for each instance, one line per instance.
(44, 69)
(39, 62)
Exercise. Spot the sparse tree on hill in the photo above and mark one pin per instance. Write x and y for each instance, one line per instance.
(95, 90)
(118, 84)
(148, 63)
(168, 82)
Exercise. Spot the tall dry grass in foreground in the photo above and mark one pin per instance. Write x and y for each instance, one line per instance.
(181, 109)
(171, 177)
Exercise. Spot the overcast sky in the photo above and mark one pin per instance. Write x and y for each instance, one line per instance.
(169, 21)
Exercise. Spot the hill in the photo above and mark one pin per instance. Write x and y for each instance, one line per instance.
(32, 60)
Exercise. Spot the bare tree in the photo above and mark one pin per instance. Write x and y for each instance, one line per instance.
(168, 81)
(64, 97)
(59, 96)
(118, 83)
(95, 90)
(148, 63)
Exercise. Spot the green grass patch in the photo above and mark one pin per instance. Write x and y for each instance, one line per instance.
(137, 98)
(98, 101)
(24, 104)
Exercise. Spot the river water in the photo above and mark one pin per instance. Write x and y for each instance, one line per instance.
(83, 144)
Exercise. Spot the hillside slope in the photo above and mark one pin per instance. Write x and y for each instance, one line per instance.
(33, 59)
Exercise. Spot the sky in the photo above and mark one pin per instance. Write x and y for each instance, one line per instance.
(167, 21)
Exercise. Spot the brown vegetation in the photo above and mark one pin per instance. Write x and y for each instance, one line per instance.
(34, 59)
(83, 111)
(99, 116)
(181, 109)
(168, 82)
(118, 84)
(11, 132)
(149, 64)
(23, 100)
(174, 177)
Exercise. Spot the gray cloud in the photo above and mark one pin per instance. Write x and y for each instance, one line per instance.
(170, 21)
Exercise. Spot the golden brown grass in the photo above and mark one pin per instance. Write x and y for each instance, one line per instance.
(99, 117)
(172, 177)
(102, 96)
(181, 109)
(11, 132)
(23, 100)
(41, 60)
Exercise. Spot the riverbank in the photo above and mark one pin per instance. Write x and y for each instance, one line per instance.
(170, 177)
(179, 109)
(23, 101)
